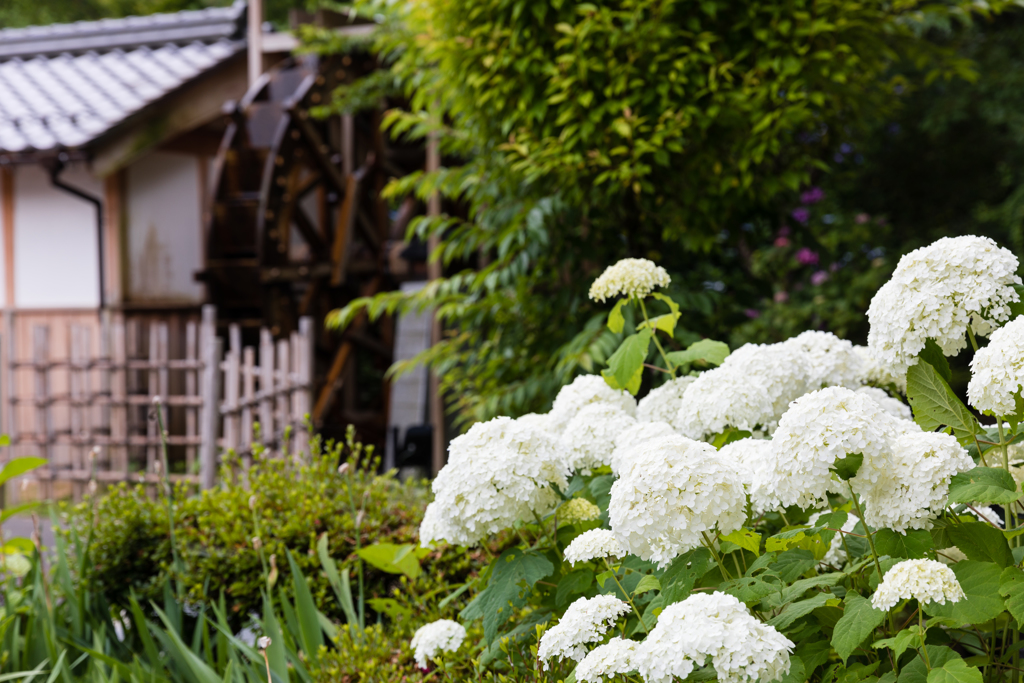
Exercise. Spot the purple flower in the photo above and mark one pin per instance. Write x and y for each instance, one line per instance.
(819, 278)
(752, 313)
(861, 218)
(806, 257)
(801, 214)
(782, 242)
(812, 196)
(781, 297)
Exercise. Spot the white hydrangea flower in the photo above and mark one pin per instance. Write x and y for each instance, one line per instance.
(595, 544)
(635, 278)
(752, 459)
(912, 487)
(985, 514)
(586, 621)
(877, 374)
(890, 405)
(577, 510)
(589, 438)
(498, 472)
(662, 404)
(613, 658)
(716, 627)
(935, 293)
(675, 490)
(631, 437)
(923, 580)
(539, 421)
(997, 371)
(750, 390)
(819, 429)
(443, 635)
(583, 391)
(836, 555)
(831, 361)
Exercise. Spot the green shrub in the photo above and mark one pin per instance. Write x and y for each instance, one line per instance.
(287, 505)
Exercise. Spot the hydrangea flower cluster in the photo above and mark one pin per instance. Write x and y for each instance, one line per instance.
(631, 437)
(614, 657)
(662, 403)
(876, 373)
(595, 544)
(938, 291)
(750, 390)
(892, 406)
(634, 278)
(716, 627)
(586, 621)
(997, 371)
(498, 472)
(443, 635)
(589, 438)
(752, 459)
(923, 580)
(584, 390)
(830, 361)
(674, 491)
(577, 510)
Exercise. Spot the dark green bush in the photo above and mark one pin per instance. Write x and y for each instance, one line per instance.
(288, 505)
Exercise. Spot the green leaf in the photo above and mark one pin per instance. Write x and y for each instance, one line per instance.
(980, 581)
(573, 583)
(847, 467)
(390, 607)
(955, 671)
(746, 539)
(935, 405)
(983, 485)
(341, 587)
(392, 558)
(1011, 586)
(703, 353)
(981, 542)
(793, 563)
(751, 589)
(858, 622)
(616, 321)
(19, 466)
(795, 610)
(917, 670)
(907, 638)
(933, 355)
(306, 611)
(912, 545)
(513, 573)
(648, 583)
(797, 671)
(729, 435)
(683, 573)
(626, 365)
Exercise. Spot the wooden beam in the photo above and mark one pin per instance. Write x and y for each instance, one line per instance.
(116, 257)
(7, 225)
(438, 454)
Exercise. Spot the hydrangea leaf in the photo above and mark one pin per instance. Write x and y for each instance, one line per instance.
(935, 405)
(703, 353)
(626, 365)
(907, 638)
(981, 542)
(751, 589)
(917, 671)
(1011, 587)
(746, 539)
(847, 467)
(795, 610)
(616, 321)
(685, 570)
(573, 583)
(858, 622)
(980, 581)
(983, 485)
(793, 563)
(798, 588)
(955, 671)
(392, 558)
(797, 671)
(933, 355)
(916, 544)
(649, 582)
(504, 594)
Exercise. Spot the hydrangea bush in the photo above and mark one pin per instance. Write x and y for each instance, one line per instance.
(777, 513)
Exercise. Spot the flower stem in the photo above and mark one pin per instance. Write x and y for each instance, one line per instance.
(654, 336)
(628, 598)
(871, 544)
(1004, 445)
(924, 646)
(718, 558)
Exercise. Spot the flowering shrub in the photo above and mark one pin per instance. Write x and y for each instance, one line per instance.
(777, 513)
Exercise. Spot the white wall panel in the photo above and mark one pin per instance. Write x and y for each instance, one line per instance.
(164, 214)
(55, 241)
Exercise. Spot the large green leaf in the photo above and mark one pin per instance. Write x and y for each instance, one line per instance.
(573, 583)
(913, 545)
(514, 573)
(983, 485)
(626, 365)
(19, 466)
(955, 671)
(703, 353)
(746, 539)
(683, 573)
(306, 611)
(1011, 587)
(858, 622)
(980, 581)
(795, 610)
(917, 670)
(902, 641)
(392, 558)
(752, 589)
(933, 355)
(935, 405)
(981, 542)
(616, 321)
(339, 580)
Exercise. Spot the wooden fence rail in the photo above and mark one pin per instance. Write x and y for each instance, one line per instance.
(91, 411)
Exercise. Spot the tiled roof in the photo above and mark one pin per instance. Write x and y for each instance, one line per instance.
(64, 85)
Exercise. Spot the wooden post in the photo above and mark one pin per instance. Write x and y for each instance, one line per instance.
(436, 401)
(302, 398)
(248, 395)
(255, 10)
(76, 407)
(153, 391)
(266, 387)
(118, 451)
(282, 388)
(231, 376)
(191, 390)
(212, 351)
(44, 420)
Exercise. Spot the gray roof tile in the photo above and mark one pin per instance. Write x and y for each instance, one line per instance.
(62, 86)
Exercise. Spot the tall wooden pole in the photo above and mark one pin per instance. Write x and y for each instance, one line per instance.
(434, 272)
(255, 40)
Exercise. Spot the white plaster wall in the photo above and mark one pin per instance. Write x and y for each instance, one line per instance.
(55, 241)
(164, 216)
